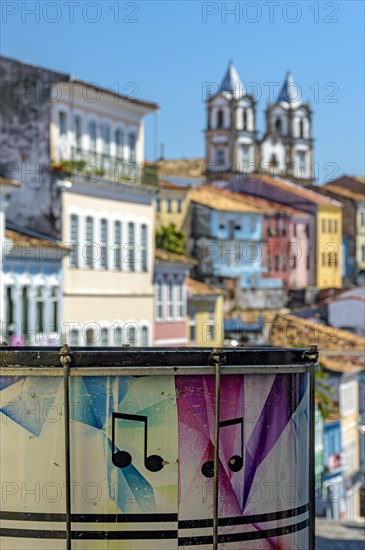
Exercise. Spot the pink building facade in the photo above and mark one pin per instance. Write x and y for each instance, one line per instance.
(170, 285)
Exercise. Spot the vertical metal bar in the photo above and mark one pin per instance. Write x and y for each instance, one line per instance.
(216, 454)
(66, 360)
(312, 459)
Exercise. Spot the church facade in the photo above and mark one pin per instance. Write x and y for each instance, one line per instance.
(233, 145)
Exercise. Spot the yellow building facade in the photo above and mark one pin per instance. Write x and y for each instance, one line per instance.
(205, 315)
(328, 246)
(172, 205)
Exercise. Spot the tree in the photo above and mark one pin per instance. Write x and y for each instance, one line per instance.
(172, 239)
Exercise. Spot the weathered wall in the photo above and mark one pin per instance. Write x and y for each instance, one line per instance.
(25, 114)
(260, 298)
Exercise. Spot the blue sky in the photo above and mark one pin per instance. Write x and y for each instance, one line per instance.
(170, 49)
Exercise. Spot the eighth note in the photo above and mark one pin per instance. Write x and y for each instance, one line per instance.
(122, 459)
(235, 463)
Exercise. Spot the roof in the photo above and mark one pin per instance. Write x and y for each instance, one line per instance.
(232, 83)
(221, 199)
(342, 363)
(185, 168)
(9, 182)
(25, 240)
(342, 192)
(297, 190)
(167, 256)
(197, 288)
(360, 179)
(238, 202)
(169, 185)
(290, 92)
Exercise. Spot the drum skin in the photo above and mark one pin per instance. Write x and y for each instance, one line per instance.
(142, 452)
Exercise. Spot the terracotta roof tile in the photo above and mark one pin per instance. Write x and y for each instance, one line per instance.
(221, 199)
(343, 192)
(167, 256)
(21, 239)
(169, 185)
(9, 182)
(296, 189)
(197, 288)
(185, 168)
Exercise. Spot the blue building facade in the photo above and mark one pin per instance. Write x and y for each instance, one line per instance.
(333, 479)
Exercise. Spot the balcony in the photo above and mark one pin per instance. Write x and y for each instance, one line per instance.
(93, 166)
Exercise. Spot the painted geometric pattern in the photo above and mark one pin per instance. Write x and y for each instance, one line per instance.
(263, 445)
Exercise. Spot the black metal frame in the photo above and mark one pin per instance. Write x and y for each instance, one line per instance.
(218, 362)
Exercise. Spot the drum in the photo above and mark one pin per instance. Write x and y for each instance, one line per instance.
(154, 448)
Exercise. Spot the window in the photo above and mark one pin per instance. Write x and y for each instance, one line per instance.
(144, 337)
(104, 336)
(253, 223)
(104, 244)
(9, 305)
(74, 337)
(62, 123)
(117, 245)
(74, 237)
(323, 225)
(169, 205)
(89, 234)
(335, 226)
(118, 336)
(131, 246)
(143, 247)
(77, 130)
(301, 128)
(219, 156)
(192, 323)
(132, 147)
(220, 119)
(211, 326)
(119, 144)
(294, 259)
(106, 139)
(276, 263)
(159, 300)
(330, 226)
(180, 299)
(25, 310)
(295, 230)
(273, 161)
(363, 253)
(245, 154)
(347, 398)
(90, 337)
(170, 299)
(179, 206)
(131, 335)
(301, 160)
(92, 136)
(40, 308)
(308, 261)
(362, 217)
(158, 205)
(278, 125)
(54, 308)
(307, 231)
(244, 119)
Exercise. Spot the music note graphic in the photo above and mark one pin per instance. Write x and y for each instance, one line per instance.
(235, 463)
(122, 459)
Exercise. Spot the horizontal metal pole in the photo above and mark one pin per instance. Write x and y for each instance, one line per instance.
(154, 371)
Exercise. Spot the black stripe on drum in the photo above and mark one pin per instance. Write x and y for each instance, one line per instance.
(248, 535)
(90, 518)
(89, 535)
(32, 533)
(244, 520)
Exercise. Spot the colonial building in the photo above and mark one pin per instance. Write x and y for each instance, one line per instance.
(353, 226)
(172, 205)
(226, 237)
(170, 282)
(205, 314)
(32, 279)
(78, 150)
(324, 232)
(231, 138)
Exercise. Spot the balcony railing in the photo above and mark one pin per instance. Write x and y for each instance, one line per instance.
(95, 166)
